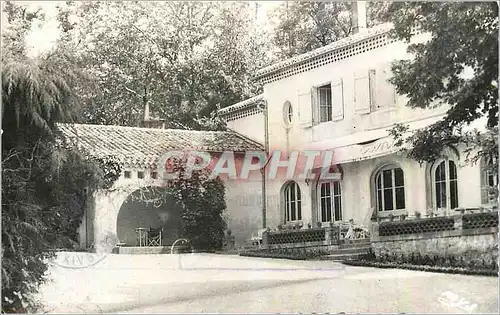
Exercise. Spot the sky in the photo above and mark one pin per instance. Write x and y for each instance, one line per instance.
(43, 37)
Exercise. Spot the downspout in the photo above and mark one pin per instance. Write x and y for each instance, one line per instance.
(263, 169)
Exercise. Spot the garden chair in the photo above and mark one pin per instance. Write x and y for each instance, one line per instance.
(155, 236)
(257, 239)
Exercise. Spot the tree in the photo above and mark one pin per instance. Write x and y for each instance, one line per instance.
(457, 66)
(43, 183)
(183, 59)
(306, 25)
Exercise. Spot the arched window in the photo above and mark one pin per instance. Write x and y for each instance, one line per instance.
(444, 178)
(390, 189)
(293, 207)
(330, 198)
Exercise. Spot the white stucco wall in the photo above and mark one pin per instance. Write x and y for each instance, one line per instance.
(252, 126)
(288, 89)
(357, 190)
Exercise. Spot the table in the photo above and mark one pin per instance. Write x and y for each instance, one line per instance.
(141, 236)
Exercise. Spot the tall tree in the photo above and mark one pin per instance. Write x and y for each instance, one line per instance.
(183, 59)
(302, 26)
(457, 66)
(43, 184)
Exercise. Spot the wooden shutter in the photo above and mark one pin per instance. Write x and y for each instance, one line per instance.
(362, 92)
(386, 92)
(305, 109)
(484, 182)
(338, 100)
(314, 106)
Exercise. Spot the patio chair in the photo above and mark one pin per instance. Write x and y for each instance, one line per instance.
(155, 237)
(257, 239)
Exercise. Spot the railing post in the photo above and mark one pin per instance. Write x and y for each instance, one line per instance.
(374, 232)
(265, 238)
(328, 236)
(458, 222)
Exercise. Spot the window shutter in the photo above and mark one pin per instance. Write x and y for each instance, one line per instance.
(338, 100)
(386, 92)
(361, 93)
(305, 109)
(314, 106)
(484, 183)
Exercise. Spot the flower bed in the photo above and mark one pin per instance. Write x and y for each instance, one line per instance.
(395, 265)
(284, 254)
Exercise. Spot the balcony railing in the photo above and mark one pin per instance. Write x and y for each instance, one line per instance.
(333, 235)
(453, 225)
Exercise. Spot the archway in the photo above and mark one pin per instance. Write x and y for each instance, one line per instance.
(149, 207)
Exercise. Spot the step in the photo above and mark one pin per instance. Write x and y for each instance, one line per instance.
(341, 257)
(358, 241)
(357, 245)
(351, 250)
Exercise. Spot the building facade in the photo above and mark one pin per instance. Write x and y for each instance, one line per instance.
(338, 98)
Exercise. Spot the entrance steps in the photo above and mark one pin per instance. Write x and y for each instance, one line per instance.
(349, 251)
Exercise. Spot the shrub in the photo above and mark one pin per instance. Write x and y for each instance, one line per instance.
(203, 207)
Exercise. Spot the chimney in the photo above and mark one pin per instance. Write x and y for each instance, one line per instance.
(358, 16)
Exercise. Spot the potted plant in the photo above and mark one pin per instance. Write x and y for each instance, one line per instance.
(481, 209)
(332, 224)
(318, 224)
(298, 225)
(309, 225)
(417, 215)
(391, 217)
(280, 227)
(403, 217)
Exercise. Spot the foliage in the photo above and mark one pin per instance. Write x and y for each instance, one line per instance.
(302, 26)
(44, 186)
(203, 206)
(182, 59)
(457, 66)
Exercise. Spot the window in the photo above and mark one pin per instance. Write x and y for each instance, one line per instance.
(325, 103)
(127, 174)
(293, 210)
(140, 175)
(445, 185)
(288, 113)
(390, 189)
(330, 202)
(489, 182)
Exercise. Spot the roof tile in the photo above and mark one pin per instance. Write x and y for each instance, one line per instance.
(143, 146)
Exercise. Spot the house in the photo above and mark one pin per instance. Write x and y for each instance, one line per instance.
(338, 98)
(333, 99)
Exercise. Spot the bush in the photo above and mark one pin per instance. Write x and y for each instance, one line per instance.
(44, 193)
(203, 206)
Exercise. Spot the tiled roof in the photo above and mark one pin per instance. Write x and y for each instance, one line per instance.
(143, 146)
(241, 105)
(342, 43)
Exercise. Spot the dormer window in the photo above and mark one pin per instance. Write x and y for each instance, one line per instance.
(325, 102)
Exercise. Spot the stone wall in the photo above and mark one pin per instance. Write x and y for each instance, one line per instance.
(477, 245)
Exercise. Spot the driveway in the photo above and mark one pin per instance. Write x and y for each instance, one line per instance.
(195, 283)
